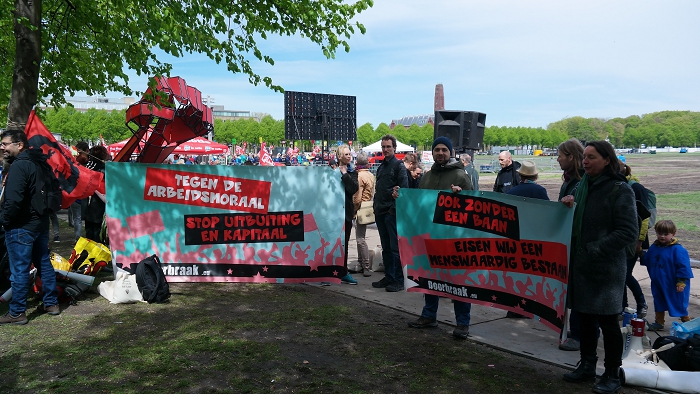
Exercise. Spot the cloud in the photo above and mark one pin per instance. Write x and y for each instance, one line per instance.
(524, 63)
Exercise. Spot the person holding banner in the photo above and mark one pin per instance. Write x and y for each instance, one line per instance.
(349, 180)
(570, 159)
(605, 223)
(445, 174)
(391, 175)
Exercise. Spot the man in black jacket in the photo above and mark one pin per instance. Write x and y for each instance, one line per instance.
(391, 175)
(508, 176)
(26, 230)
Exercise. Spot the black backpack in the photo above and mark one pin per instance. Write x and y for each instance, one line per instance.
(48, 197)
(151, 280)
(684, 356)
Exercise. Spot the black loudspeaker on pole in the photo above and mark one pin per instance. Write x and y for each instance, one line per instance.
(465, 129)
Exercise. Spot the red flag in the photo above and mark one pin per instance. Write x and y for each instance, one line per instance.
(76, 181)
(265, 158)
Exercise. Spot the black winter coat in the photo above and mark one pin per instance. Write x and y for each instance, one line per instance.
(17, 211)
(389, 174)
(598, 268)
(349, 180)
(507, 178)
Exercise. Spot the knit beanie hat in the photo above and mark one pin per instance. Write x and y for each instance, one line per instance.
(443, 140)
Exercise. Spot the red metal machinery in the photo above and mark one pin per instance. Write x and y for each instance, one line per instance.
(181, 117)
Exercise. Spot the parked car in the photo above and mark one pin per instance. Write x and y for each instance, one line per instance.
(684, 150)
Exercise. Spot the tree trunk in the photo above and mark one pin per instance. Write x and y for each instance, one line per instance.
(25, 79)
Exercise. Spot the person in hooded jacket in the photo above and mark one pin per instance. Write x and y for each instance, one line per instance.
(445, 174)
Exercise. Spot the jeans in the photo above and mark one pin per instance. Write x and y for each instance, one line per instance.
(612, 338)
(362, 249)
(25, 247)
(76, 210)
(386, 224)
(633, 285)
(462, 309)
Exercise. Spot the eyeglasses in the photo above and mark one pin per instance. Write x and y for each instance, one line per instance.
(4, 144)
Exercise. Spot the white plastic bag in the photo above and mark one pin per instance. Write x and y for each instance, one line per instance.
(123, 290)
(376, 261)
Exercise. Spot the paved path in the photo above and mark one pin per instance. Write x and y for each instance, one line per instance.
(489, 326)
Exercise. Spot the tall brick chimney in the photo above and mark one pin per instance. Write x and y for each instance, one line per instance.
(439, 97)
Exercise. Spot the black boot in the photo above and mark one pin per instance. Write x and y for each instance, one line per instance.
(585, 371)
(609, 382)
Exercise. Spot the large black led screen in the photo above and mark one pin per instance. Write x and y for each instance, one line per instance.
(316, 116)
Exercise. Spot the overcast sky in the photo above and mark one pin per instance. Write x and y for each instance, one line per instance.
(523, 63)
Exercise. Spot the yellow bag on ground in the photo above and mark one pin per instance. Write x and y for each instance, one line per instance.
(58, 262)
(89, 257)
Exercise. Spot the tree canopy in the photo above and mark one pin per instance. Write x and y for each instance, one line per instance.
(666, 128)
(63, 47)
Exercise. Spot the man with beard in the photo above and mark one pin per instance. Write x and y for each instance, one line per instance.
(391, 175)
(508, 176)
(27, 229)
(446, 174)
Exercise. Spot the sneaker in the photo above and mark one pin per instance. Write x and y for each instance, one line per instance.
(7, 318)
(366, 272)
(461, 332)
(348, 280)
(423, 322)
(570, 345)
(394, 287)
(642, 311)
(382, 283)
(57, 239)
(655, 327)
(53, 310)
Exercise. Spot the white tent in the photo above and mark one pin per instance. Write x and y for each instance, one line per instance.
(377, 147)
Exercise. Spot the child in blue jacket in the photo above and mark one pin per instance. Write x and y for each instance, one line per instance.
(668, 265)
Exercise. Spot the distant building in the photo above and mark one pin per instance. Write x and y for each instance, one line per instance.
(407, 121)
(225, 114)
(82, 104)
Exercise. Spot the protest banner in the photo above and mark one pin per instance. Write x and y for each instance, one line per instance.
(228, 224)
(487, 248)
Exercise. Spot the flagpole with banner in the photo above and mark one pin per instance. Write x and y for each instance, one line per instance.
(76, 181)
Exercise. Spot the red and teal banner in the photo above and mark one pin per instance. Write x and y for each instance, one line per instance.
(486, 248)
(228, 224)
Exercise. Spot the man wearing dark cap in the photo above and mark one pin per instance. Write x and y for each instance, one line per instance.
(445, 174)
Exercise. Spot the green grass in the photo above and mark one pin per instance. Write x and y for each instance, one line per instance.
(682, 208)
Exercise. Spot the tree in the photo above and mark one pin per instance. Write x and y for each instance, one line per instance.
(86, 45)
(365, 134)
